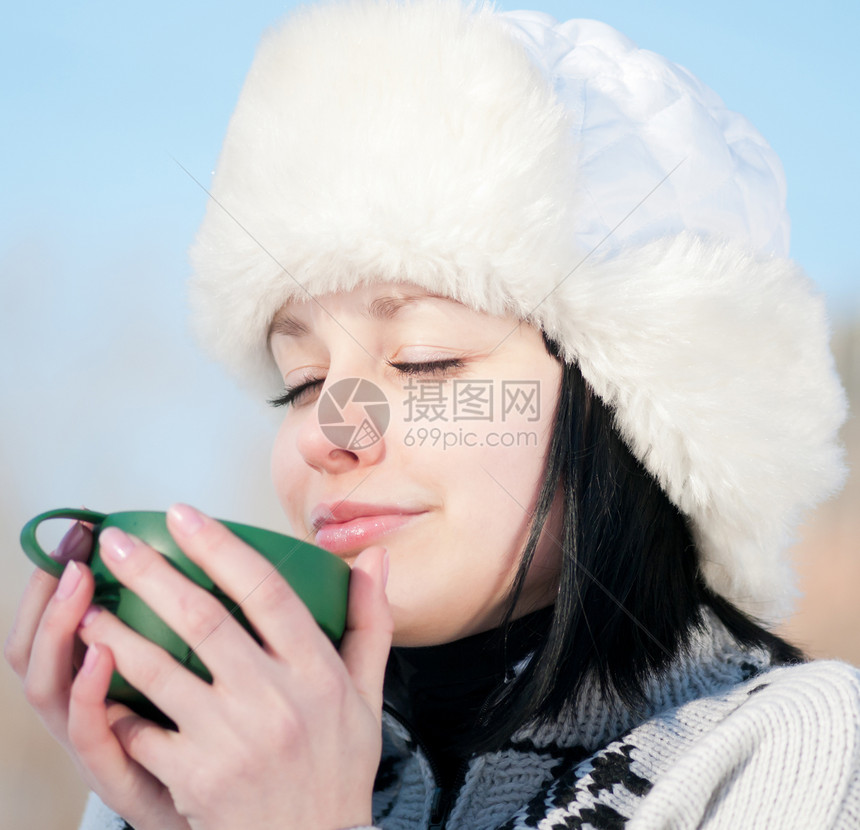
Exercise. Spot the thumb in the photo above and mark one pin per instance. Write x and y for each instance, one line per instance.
(369, 625)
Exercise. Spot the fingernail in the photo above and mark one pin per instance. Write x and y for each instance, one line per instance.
(92, 612)
(68, 581)
(76, 544)
(91, 658)
(187, 519)
(385, 566)
(116, 545)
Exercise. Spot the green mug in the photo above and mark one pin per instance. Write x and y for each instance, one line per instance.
(320, 579)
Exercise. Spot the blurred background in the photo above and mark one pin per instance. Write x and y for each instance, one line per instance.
(107, 402)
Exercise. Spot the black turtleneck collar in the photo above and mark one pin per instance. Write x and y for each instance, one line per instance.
(441, 691)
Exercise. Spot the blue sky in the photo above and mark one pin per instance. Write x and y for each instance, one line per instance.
(98, 96)
(106, 400)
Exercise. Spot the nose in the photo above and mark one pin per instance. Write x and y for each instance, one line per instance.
(346, 429)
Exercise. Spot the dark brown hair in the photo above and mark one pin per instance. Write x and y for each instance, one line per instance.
(630, 594)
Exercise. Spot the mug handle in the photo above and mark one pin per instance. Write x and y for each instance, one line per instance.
(34, 550)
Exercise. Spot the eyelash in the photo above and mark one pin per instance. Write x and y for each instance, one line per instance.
(293, 396)
(430, 367)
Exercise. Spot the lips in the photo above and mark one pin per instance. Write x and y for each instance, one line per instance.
(349, 527)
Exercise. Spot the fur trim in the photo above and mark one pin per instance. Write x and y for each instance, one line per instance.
(426, 142)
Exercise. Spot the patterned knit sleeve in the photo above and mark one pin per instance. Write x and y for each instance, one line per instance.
(789, 757)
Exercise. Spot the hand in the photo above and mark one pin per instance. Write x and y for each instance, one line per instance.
(288, 735)
(44, 652)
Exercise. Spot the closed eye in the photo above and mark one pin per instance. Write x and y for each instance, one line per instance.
(296, 394)
(430, 367)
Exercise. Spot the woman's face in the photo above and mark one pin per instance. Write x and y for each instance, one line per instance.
(449, 486)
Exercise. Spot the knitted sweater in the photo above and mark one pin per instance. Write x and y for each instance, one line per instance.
(731, 742)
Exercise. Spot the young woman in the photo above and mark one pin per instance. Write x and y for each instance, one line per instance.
(560, 262)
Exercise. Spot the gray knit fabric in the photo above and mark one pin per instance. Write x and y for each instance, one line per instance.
(731, 743)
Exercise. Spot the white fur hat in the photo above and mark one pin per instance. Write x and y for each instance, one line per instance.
(558, 172)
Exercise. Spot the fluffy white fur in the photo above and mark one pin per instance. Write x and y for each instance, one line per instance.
(418, 142)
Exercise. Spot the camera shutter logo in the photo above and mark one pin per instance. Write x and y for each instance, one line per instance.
(369, 413)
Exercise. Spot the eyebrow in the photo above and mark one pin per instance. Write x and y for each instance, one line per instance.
(287, 325)
(382, 308)
(385, 308)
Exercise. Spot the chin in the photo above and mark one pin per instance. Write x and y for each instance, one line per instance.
(412, 630)
(434, 626)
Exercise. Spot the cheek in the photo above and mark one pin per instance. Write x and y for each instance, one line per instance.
(490, 494)
(501, 478)
(287, 472)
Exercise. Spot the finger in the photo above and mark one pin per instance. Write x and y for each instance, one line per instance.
(100, 752)
(19, 643)
(147, 667)
(50, 665)
(193, 613)
(369, 625)
(147, 744)
(76, 544)
(89, 728)
(278, 615)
